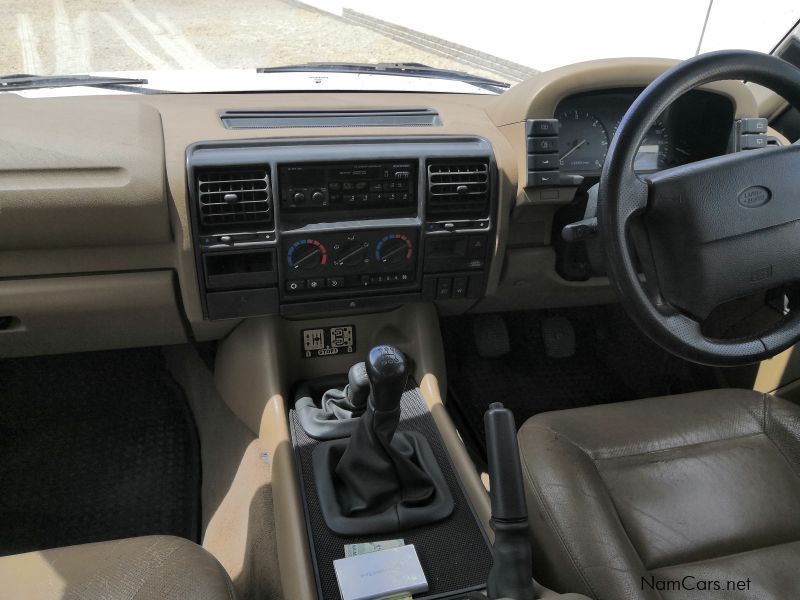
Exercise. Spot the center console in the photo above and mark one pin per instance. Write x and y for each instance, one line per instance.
(379, 474)
(303, 226)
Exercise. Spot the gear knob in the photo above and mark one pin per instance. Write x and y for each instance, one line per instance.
(387, 369)
(357, 390)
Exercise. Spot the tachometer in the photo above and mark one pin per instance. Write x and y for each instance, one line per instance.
(584, 141)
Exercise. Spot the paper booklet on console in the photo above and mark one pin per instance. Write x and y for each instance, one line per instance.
(380, 574)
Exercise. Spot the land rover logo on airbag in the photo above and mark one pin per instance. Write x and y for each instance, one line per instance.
(754, 196)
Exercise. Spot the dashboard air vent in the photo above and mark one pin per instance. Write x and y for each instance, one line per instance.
(414, 117)
(458, 190)
(234, 197)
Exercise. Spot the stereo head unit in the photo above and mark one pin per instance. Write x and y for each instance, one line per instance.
(377, 186)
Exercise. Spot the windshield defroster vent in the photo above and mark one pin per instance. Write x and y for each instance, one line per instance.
(458, 190)
(277, 119)
(234, 197)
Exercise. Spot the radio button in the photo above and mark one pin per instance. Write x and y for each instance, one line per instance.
(375, 187)
(315, 284)
(347, 186)
(361, 185)
(334, 186)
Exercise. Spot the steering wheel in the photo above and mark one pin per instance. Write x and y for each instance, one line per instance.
(706, 232)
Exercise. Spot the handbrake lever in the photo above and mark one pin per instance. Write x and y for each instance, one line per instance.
(511, 575)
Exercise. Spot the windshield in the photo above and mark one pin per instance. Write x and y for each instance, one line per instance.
(505, 41)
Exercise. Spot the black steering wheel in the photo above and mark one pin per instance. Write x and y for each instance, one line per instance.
(706, 232)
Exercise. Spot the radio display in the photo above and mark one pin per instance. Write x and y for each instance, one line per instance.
(349, 186)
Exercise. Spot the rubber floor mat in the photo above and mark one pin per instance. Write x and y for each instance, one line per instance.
(93, 447)
(612, 363)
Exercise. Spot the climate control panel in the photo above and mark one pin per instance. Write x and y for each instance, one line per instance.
(329, 262)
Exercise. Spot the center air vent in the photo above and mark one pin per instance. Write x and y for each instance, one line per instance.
(231, 198)
(458, 190)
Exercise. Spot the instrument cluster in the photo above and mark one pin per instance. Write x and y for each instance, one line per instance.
(697, 126)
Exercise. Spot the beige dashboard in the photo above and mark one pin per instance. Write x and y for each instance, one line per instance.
(96, 249)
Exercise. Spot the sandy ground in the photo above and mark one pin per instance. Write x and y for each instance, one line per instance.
(78, 36)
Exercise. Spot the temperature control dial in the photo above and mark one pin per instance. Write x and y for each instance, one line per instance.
(305, 255)
(394, 249)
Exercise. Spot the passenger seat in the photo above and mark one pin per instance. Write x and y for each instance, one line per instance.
(141, 568)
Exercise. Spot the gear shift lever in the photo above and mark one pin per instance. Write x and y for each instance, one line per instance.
(381, 480)
(337, 412)
(387, 370)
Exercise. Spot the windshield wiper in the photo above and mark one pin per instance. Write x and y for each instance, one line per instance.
(33, 82)
(402, 69)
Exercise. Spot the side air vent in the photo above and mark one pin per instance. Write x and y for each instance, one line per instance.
(458, 190)
(231, 198)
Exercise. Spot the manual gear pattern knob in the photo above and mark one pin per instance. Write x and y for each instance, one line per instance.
(387, 369)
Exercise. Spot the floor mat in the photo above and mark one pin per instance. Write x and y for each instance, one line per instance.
(93, 447)
(613, 362)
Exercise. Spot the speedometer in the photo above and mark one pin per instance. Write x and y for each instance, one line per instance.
(584, 141)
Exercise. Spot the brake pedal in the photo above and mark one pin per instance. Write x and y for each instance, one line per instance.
(559, 337)
(491, 336)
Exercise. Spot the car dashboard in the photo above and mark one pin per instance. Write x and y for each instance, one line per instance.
(152, 219)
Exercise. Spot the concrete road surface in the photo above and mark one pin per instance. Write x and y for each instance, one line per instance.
(78, 36)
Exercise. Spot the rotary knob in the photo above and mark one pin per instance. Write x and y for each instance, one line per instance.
(351, 255)
(305, 255)
(394, 249)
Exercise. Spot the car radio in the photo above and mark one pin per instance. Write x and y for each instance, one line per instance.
(376, 186)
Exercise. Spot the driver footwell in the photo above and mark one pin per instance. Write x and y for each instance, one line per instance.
(612, 362)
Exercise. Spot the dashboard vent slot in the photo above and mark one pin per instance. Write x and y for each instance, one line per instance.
(234, 197)
(277, 119)
(458, 190)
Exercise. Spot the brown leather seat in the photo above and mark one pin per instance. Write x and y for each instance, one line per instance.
(652, 498)
(143, 568)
